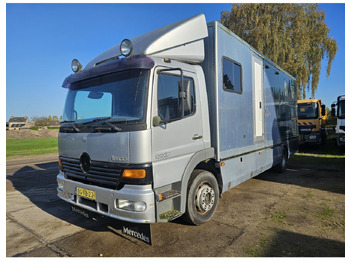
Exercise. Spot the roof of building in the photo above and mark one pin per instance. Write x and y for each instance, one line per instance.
(18, 119)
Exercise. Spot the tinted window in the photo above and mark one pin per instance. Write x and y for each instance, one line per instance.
(168, 101)
(232, 76)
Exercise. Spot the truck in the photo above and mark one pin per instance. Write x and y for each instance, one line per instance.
(338, 111)
(161, 125)
(312, 121)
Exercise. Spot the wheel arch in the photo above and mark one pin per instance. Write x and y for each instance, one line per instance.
(200, 160)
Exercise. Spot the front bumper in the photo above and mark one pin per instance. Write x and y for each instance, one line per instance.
(105, 202)
(312, 138)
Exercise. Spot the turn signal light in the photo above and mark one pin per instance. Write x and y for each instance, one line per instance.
(134, 173)
(60, 164)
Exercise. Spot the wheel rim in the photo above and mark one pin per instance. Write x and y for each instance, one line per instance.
(204, 198)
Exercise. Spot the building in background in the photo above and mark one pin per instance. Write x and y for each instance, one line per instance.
(18, 123)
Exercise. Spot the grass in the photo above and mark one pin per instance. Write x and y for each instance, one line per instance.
(32, 146)
(322, 154)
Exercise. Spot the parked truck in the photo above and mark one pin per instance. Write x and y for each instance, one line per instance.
(162, 125)
(338, 110)
(312, 121)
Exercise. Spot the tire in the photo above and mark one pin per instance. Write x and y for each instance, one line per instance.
(202, 197)
(282, 166)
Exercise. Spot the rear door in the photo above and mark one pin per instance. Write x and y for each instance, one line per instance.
(258, 95)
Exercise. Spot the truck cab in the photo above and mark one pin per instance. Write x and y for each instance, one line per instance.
(338, 111)
(312, 120)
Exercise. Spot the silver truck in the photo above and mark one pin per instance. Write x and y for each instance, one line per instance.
(338, 110)
(162, 125)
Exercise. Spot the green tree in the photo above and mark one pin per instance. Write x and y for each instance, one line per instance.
(331, 120)
(40, 121)
(295, 36)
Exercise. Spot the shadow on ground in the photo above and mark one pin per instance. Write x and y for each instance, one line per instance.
(289, 244)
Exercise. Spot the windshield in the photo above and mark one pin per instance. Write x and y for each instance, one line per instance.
(341, 109)
(307, 111)
(120, 97)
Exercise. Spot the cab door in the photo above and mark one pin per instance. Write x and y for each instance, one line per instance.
(179, 135)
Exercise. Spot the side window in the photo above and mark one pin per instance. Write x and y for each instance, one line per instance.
(232, 76)
(168, 97)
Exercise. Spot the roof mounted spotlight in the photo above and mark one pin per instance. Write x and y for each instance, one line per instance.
(126, 47)
(76, 66)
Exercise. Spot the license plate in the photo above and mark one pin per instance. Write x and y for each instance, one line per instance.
(85, 193)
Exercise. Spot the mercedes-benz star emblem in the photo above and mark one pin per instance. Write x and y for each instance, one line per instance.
(85, 162)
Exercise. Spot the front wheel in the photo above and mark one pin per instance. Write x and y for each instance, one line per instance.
(202, 197)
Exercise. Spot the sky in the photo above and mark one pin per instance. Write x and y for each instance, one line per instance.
(42, 39)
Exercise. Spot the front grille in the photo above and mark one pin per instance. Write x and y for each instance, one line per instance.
(101, 173)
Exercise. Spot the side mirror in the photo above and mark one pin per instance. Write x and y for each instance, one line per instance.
(185, 95)
(156, 121)
(323, 110)
(333, 110)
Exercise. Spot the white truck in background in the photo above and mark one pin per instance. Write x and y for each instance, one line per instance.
(338, 111)
(163, 124)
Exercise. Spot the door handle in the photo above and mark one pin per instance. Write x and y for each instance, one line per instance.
(196, 137)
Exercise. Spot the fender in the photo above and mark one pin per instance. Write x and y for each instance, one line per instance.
(197, 158)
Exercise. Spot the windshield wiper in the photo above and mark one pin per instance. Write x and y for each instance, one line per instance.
(97, 120)
(104, 120)
(115, 128)
(71, 123)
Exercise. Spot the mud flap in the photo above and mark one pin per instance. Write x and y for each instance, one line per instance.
(83, 212)
(139, 231)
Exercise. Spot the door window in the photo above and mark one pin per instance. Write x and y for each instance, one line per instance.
(168, 98)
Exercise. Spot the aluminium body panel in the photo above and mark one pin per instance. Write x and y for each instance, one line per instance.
(232, 120)
(249, 126)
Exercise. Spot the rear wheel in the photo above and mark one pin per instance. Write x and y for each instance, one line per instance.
(202, 197)
(282, 166)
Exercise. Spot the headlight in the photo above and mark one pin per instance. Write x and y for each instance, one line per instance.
(126, 47)
(137, 206)
(76, 66)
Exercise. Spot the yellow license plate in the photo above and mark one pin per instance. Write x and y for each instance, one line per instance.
(85, 193)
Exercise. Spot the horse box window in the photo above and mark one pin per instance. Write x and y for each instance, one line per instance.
(232, 76)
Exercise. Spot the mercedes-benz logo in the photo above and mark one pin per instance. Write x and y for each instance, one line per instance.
(85, 162)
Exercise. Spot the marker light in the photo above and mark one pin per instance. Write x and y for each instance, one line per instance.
(76, 66)
(126, 47)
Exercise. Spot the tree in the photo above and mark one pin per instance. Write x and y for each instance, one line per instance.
(40, 121)
(295, 36)
(331, 120)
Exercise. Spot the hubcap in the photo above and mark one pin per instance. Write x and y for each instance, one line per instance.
(205, 198)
